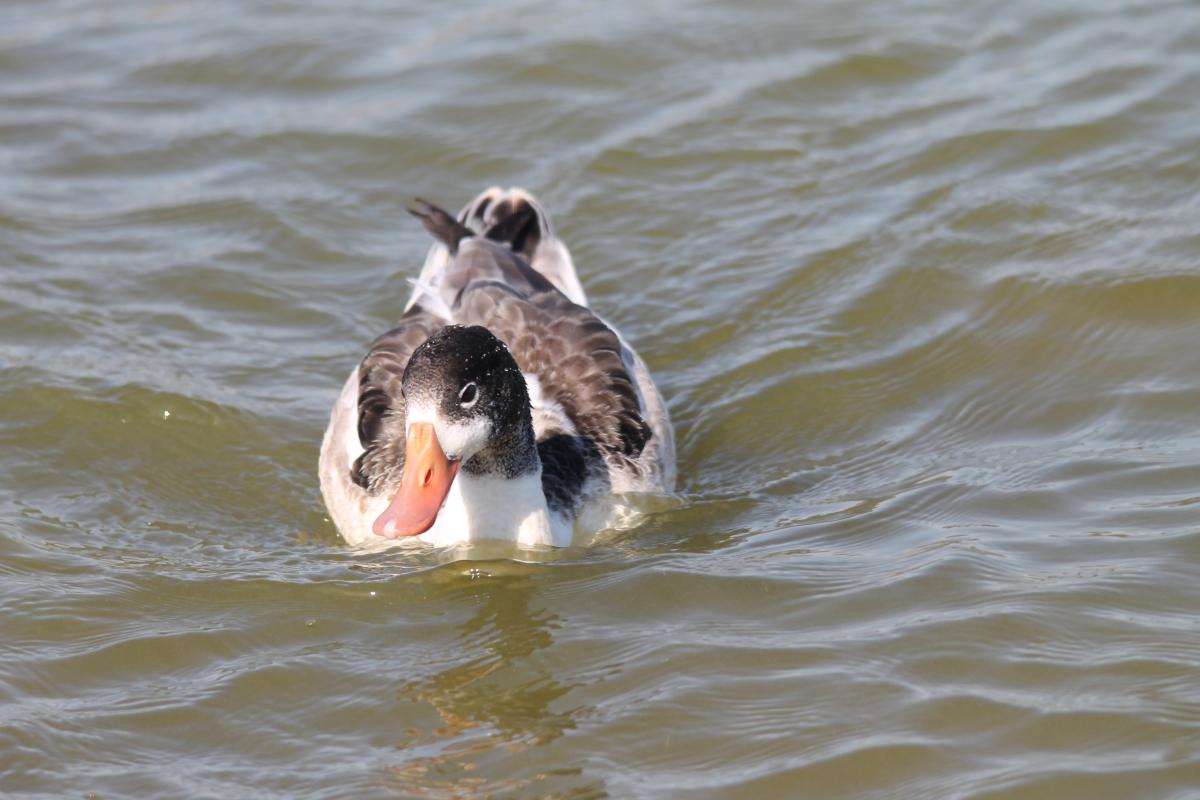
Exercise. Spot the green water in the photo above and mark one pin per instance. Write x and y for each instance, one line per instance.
(920, 283)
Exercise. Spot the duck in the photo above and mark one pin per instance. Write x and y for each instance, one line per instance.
(500, 406)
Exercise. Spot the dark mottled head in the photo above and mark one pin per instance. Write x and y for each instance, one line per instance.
(465, 382)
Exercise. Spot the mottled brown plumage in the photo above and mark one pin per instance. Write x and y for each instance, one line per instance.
(574, 354)
(380, 401)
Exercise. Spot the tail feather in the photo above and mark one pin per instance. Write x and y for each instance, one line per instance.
(513, 217)
(519, 230)
(443, 227)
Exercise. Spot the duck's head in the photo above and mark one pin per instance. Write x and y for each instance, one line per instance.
(466, 406)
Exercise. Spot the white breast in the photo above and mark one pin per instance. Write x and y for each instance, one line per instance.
(512, 509)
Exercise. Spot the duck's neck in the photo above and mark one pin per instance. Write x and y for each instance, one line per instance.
(498, 495)
(487, 506)
(509, 456)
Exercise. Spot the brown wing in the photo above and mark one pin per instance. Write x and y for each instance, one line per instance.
(381, 401)
(575, 356)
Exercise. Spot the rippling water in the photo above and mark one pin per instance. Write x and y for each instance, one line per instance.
(919, 281)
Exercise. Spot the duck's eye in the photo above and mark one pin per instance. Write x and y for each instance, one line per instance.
(468, 395)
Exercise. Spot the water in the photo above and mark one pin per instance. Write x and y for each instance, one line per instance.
(918, 280)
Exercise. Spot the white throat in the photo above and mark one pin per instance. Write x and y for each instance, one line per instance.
(508, 509)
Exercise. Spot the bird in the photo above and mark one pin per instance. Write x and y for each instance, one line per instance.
(500, 406)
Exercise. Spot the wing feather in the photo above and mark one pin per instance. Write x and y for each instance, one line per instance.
(381, 400)
(575, 356)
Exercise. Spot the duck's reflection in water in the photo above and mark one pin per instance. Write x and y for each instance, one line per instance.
(500, 700)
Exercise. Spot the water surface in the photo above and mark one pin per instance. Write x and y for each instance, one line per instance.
(918, 280)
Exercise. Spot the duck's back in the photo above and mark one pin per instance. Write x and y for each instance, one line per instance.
(590, 390)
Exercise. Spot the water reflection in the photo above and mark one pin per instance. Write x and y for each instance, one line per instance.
(501, 699)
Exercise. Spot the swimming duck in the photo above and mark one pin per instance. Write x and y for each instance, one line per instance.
(500, 406)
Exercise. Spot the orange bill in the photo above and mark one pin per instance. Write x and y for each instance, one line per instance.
(423, 486)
